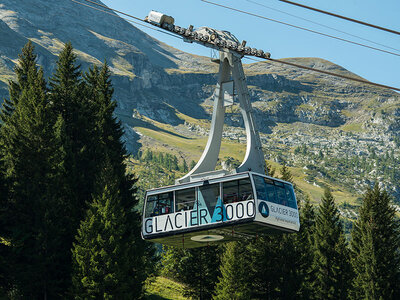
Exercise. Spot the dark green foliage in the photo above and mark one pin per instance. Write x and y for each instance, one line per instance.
(269, 170)
(276, 270)
(197, 268)
(184, 167)
(31, 160)
(121, 197)
(26, 62)
(235, 281)
(285, 174)
(304, 249)
(166, 160)
(331, 266)
(273, 266)
(231, 163)
(375, 248)
(79, 139)
(106, 256)
(51, 148)
(266, 266)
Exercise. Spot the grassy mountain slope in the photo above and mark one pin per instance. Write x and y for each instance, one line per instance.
(329, 131)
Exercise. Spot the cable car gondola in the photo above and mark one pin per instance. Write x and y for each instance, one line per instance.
(213, 206)
(219, 209)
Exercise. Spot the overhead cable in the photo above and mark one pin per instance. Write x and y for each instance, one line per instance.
(298, 27)
(323, 25)
(270, 59)
(106, 7)
(342, 17)
(128, 20)
(326, 72)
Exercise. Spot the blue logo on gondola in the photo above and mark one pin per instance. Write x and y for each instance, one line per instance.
(263, 209)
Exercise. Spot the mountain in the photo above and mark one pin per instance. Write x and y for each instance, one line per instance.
(329, 130)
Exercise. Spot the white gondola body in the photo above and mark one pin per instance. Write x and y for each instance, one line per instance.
(219, 209)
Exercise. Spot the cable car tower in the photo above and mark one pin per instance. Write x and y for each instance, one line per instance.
(212, 206)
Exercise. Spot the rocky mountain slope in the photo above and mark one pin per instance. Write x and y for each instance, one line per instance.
(331, 130)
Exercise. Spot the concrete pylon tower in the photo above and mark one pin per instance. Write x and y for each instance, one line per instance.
(230, 66)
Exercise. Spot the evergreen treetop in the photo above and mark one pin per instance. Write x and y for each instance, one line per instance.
(105, 255)
(286, 174)
(26, 62)
(32, 215)
(331, 267)
(235, 281)
(375, 248)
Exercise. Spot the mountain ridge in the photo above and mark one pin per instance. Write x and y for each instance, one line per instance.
(154, 81)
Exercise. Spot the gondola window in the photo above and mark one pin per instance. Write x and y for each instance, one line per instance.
(160, 204)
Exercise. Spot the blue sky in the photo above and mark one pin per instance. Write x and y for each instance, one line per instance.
(282, 41)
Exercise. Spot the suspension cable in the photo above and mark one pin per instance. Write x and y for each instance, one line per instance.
(341, 17)
(325, 72)
(323, 25)
(128, 20)
(298, 27)
(270, 59)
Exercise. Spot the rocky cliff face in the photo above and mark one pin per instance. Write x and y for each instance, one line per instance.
(159, 82)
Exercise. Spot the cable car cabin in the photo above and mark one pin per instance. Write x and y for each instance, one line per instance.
(218, 210)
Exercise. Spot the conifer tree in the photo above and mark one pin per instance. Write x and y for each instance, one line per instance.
(270, 171)
(109, 133)
(26, 61)
(286, 174)
(109, 147)
(330, 264)
(235, 280)
(70, 102)
(105, 254)
(304, 249)
(171, 261)
(4, 247)
(78, 141)
(265, 271)
(375, 246)
(184, 166)
(201, 270)
(275, 270)
(197, 268)
(31, 220)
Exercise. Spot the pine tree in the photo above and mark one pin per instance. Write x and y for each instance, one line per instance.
(171, 261)
(70, 102)
(184, 166)
(286, 174)
(265, 268)
(235, 280)
(78, 141)
(104, 255)
(304, 250)
(330, 265)
(276, 272)
(4, 247)
(197, 268)
(108, 132)
(270, 171)
(375, 246)
(201, 270)
(31, 218)
(110, 146)
(26, 61)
